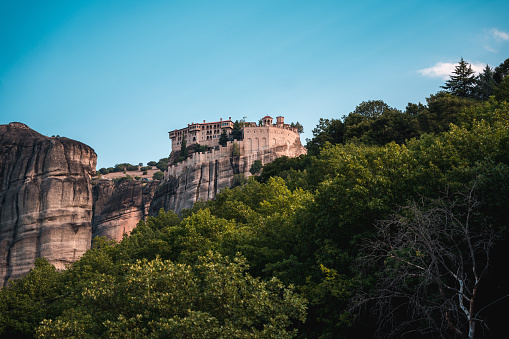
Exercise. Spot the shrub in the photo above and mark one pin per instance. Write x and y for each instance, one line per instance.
(121, 180)
(236, 150)
(200, 148)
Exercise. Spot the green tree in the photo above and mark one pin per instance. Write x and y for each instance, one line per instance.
(484, 85)
(331, 131)
(158, 175)
(223, 139)
(236, 133)
(371, 108)
(501, 71)
(502, 90)
(184, 152)
(27, 301)
(235, 150)
(462, 81)
(298, 126)
(256, 167)
(162, 164)
(215, 298)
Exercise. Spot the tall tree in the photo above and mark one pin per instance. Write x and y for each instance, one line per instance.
(501, 71)
(237, 131)
(462, 80)
(223, 139)
(183, 149)
(484, 84)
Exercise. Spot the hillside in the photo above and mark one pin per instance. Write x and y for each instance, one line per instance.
(395, 224)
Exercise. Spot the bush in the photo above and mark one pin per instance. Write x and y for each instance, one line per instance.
(152, 163)
(145, 172)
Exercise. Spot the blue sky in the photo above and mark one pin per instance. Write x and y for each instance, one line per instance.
(118, 75)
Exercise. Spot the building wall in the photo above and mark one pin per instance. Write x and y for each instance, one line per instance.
(259, 137)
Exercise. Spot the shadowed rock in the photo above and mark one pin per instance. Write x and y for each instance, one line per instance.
(118, 208)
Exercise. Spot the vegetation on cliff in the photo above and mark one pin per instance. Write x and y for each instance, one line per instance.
(396, 224)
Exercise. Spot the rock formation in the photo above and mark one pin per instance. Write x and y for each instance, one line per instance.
(118, 208)
(203, 175)
(50, 208)
(45, 199)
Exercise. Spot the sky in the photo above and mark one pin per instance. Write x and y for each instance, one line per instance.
(119, 75)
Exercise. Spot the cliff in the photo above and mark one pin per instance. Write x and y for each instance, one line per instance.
(118, 208)
(203, 175)
(45, 199)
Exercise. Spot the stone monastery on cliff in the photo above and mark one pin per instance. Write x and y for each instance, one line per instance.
(256, 138)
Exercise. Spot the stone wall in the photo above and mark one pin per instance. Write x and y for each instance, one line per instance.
(203, 175)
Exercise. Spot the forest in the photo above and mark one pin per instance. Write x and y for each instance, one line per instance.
(395, 224)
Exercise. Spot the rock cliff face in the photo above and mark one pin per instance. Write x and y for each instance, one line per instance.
(117, 209)
(201, 177)
(45, 199)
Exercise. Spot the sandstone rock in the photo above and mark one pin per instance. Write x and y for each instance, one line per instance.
(117, 209)
(45, 199)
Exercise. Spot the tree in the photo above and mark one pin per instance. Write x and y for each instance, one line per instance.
(298, 126)
(462, 81)
(161, 165)
(158, 175)
(256, 167)
(501, 71)
(236, 133)
(502, 90)
(223, 139)
(184, 153)
(331, 131)
(431, 259)
(215, 298)
(27, 301)
(484, 84)
(371, 108)
(235, 150)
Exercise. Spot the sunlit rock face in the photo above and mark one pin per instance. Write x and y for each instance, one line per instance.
(119, 208)
(45, 199)
(202, 176)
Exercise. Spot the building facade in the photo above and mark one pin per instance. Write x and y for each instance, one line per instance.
(255, 137)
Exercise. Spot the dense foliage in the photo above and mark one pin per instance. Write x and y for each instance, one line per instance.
(395, 224)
